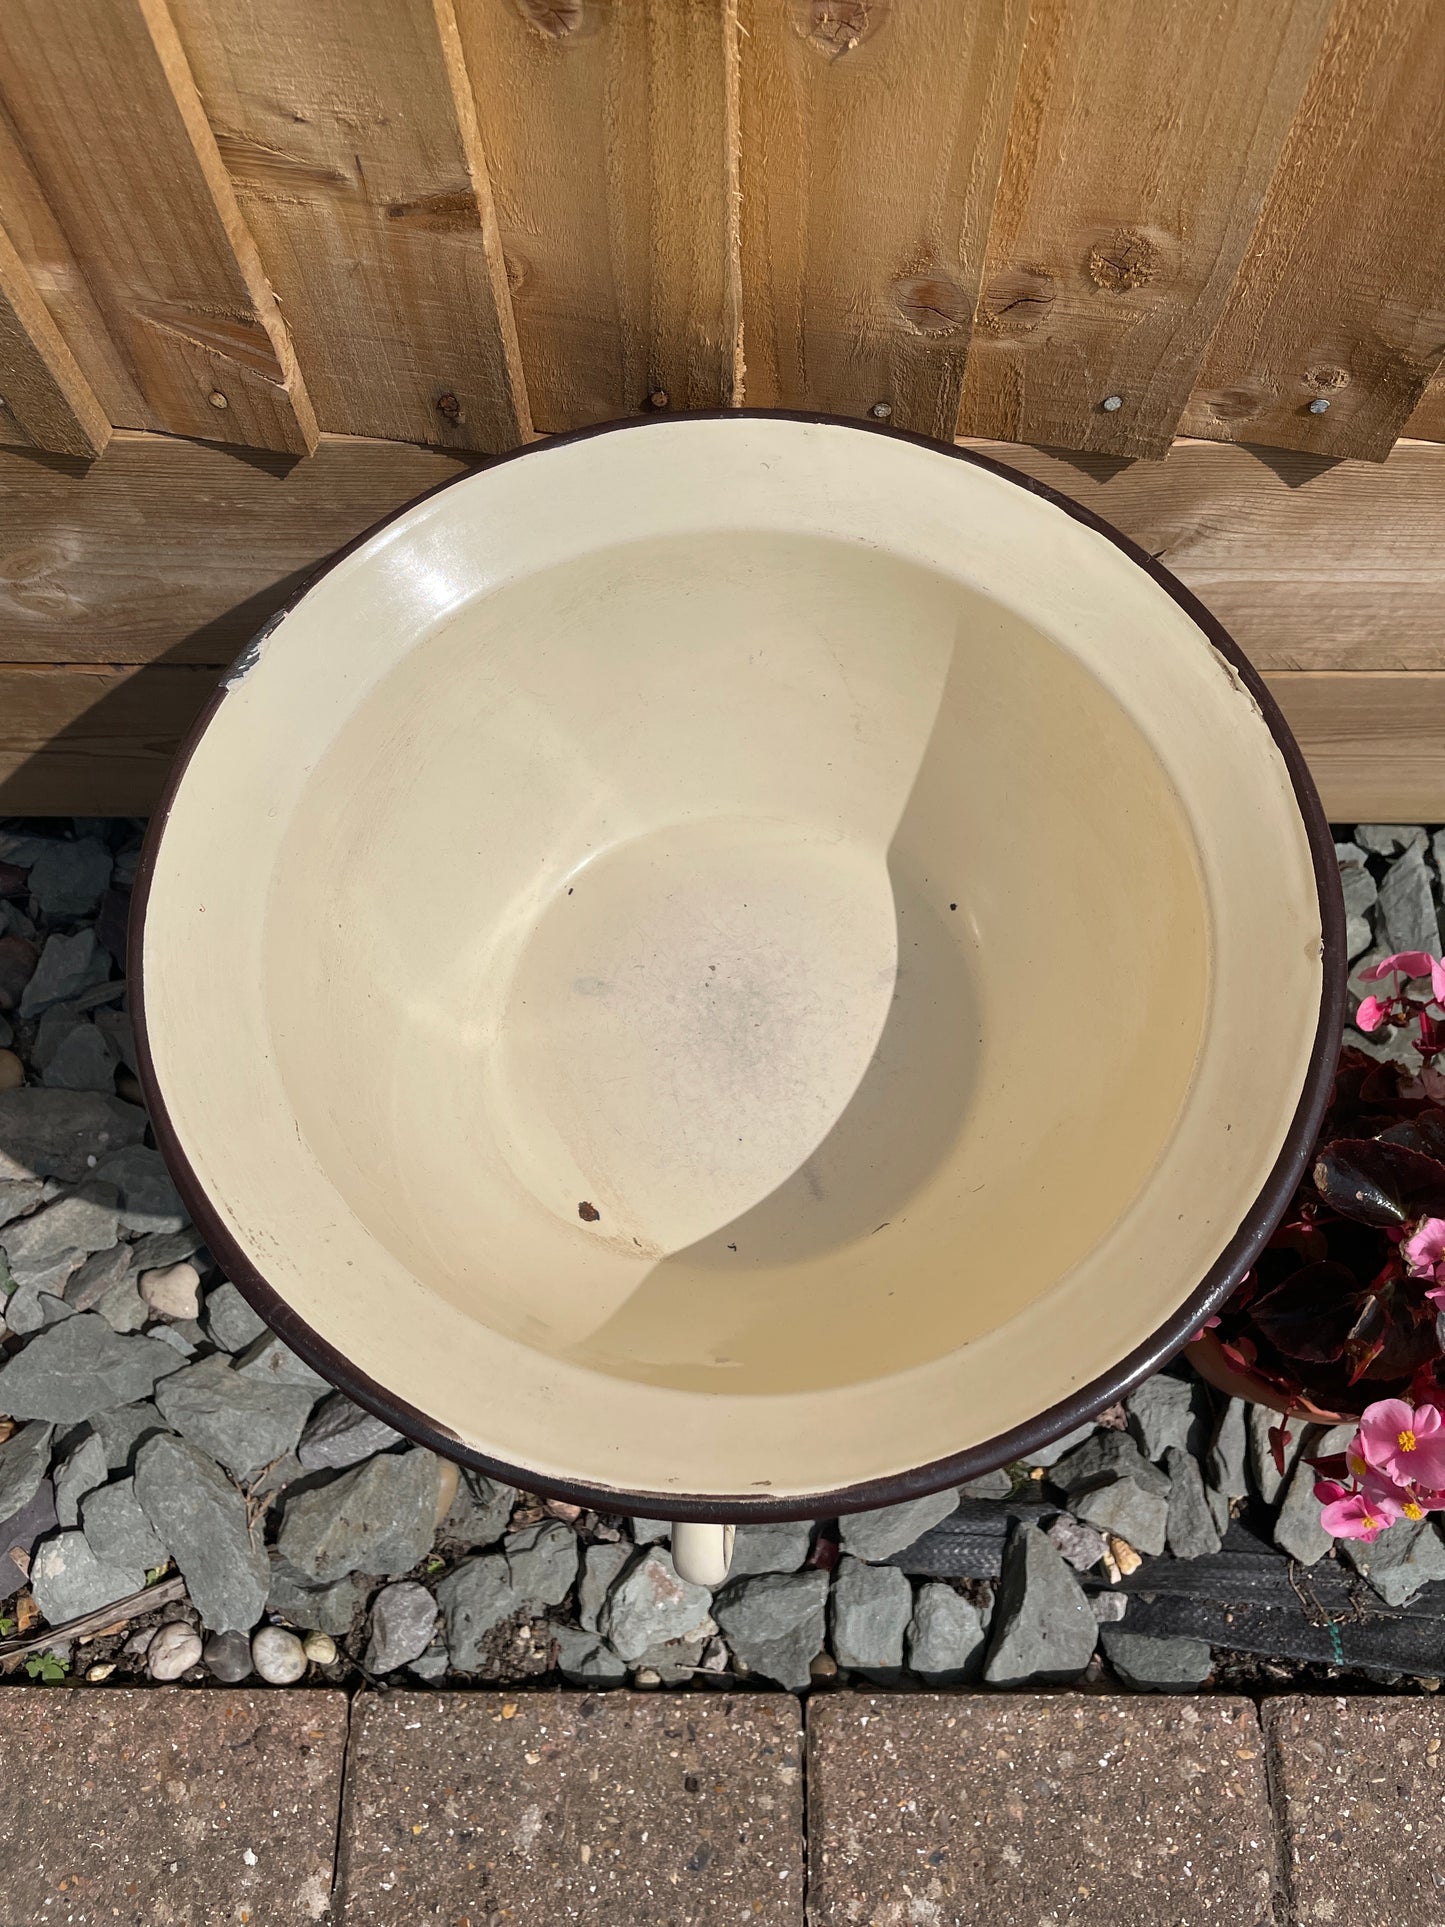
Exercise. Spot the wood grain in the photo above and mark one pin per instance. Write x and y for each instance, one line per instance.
(610, 132)
(103, 103)
(1308, 564)
(1427, 423)
(52, 266)
(1142, 143)
(1341, 297)
(1375, 743)
(349, 130)
(92, 740)
(47, 402)
(871, 145)
(180, 550)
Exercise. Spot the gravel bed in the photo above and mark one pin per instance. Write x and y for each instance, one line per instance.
(182, 1498)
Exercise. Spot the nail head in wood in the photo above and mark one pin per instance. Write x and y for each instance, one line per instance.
(217, 399)
(1112, 404)
(658, 399)
(1319, 406)
(881, 410)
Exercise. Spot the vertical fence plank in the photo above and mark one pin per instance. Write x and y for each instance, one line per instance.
(871, 144)
(51, 265)
(103, 102)
(1341, 297)
(610, 131)
(44, 398)
(348, 129)
(1142, 144)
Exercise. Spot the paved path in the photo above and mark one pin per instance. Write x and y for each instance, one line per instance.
(228, 1808)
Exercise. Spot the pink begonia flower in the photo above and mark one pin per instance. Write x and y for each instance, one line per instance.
(1371, 1014)
(1407, 963)
(1437, 1297)
(1353, 1515)
(1424, 1251)
(1404, 1442)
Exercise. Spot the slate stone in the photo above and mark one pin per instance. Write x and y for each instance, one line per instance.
(1259, 1421)
(1155, 1665)
(194, 1509)
(543, 1562)
(1191, 1531)
(871, 1608)
(29, 1309)
(475, 1599)
(992, 1485)
(242, 1423)
(18, 957)
(66, 1579)
(122, 1306)
(78, 1368)
(117, 1529)
(1359, 935)
(83, 1061)
(379, 1517)
(54, 1134)
(115, 1026)
(1405, 1557)
(1356, 881)
(63, 1232)
(1083, 1546)
(675, 1661)
(18, 1196)
(771, 1548)
(649, 1605)
(270, 1358)
(1224, 1471)
(479, 1513)
(1161, 1414)
(322, 1609)
(80, 1471)
(68, 879)
(403, 1619)
(650, 1532)
(1297, 1530)
(585, 1659)
(159, 1249)
(21, 1532)
(601, 1564)
(178, 1342)
(1123, 1510)
(434, 1664)
(1407, 904)
(338, 1432)
(24, 1461)
(149, 1200)
(120, 1431)
(1060, 1447)
(99, 1274)
(1043, 1629)
(878, 1535)
(945, 1637)
(67, 965)
(1108, 1455)
(776, 1623)
(1383, 839)
(231, 1324)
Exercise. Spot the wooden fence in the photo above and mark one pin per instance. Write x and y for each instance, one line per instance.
(403, 232)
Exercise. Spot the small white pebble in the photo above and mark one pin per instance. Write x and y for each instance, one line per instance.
(319, 1648)
(172, 1291)
(278, 1655)
(175, 1649)
(249, 1856)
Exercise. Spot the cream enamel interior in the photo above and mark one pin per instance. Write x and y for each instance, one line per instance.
(843, 873)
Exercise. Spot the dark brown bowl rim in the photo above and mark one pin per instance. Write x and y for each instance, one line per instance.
(1065, 1415)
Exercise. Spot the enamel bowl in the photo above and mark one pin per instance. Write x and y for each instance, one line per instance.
(739, 966)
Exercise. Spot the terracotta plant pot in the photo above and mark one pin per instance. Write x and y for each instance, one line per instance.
(713, 967)
(1206, 1355)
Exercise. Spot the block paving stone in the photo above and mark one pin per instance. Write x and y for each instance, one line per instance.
(135, 1807)
(1038, 1811)
(1362, 1798)
(475, 1810)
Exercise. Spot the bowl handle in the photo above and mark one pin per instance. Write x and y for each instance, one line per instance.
(702, 1554)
